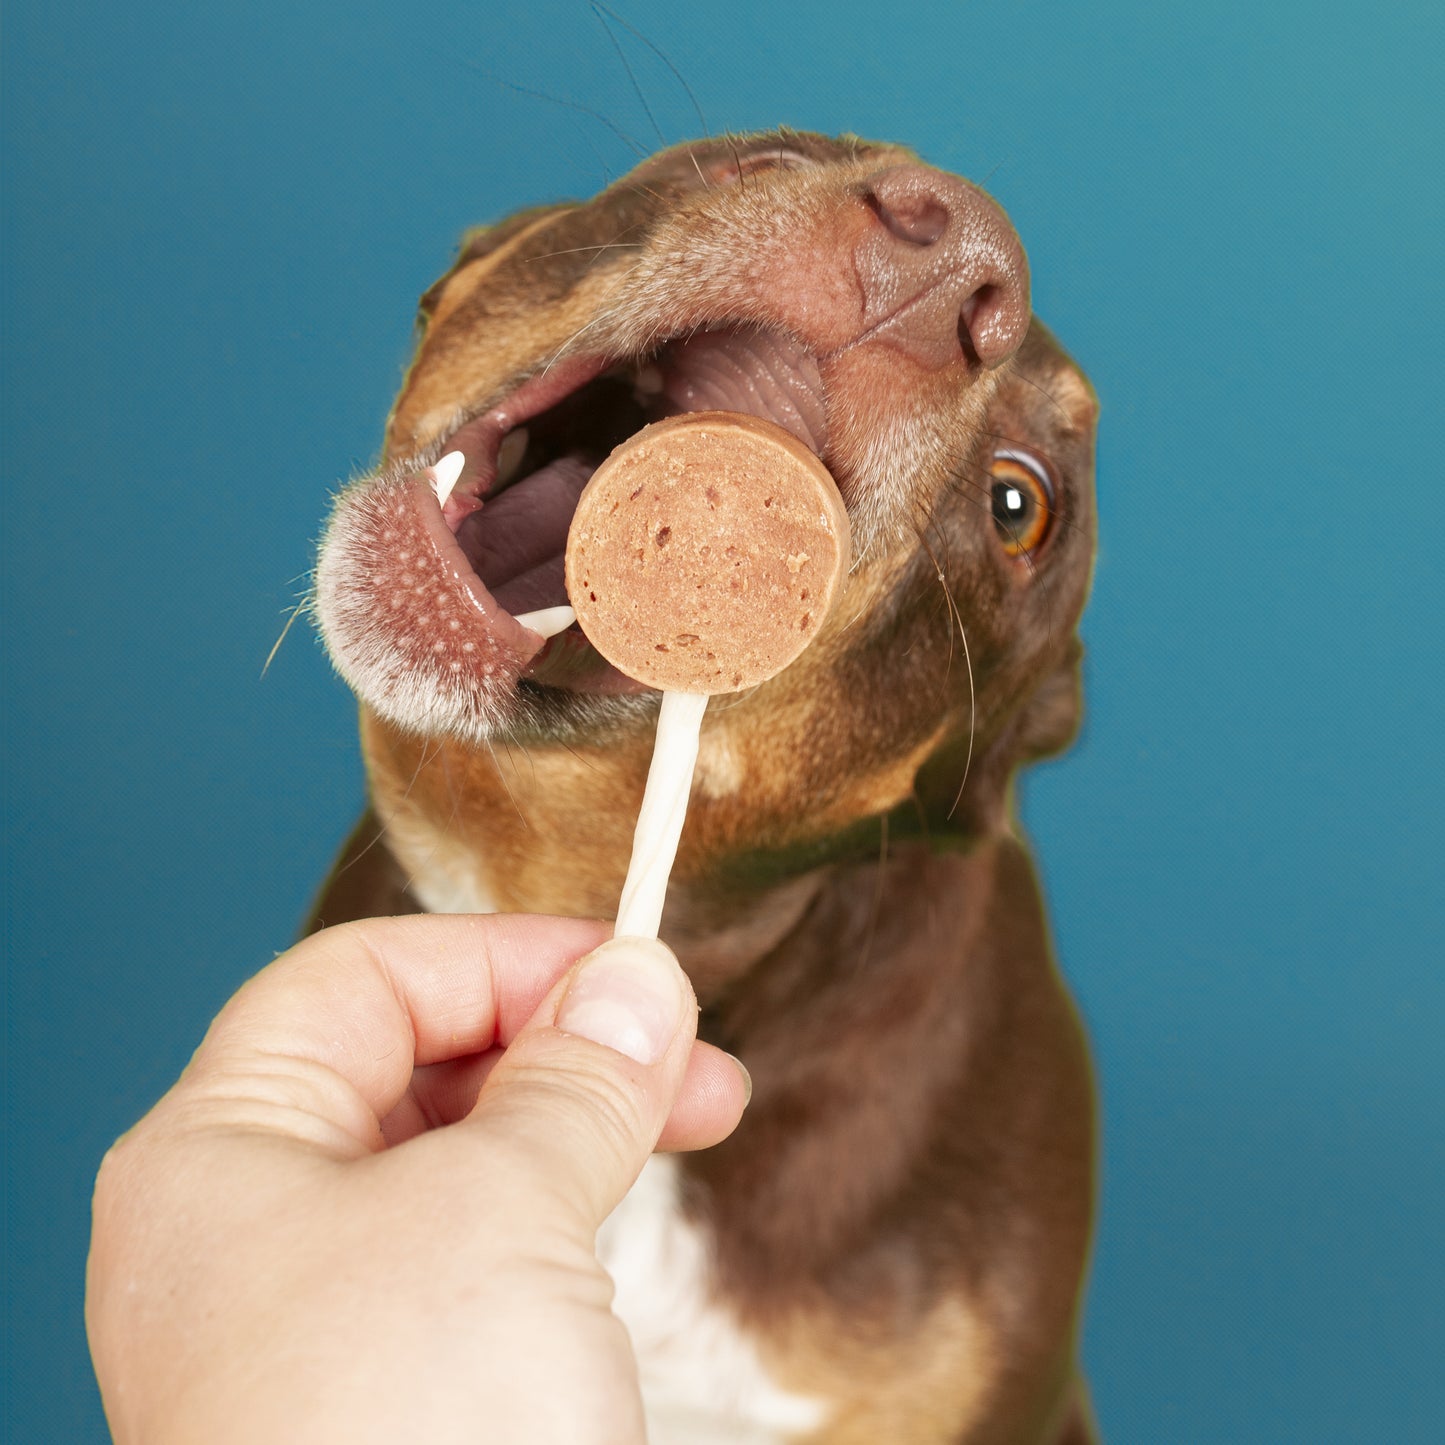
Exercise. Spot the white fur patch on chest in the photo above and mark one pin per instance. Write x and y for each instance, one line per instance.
(702, 1380)
(440, 888)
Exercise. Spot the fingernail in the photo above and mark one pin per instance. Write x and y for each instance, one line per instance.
(629, 995)
(747, 1080)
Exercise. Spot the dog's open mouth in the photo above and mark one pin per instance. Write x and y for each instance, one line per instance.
(501, 533)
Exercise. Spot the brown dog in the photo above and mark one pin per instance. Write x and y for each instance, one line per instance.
(890, 1247)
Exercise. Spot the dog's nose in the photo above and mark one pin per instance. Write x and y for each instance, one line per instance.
(947, 275)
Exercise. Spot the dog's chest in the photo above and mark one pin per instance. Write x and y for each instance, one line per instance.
(703, 1382)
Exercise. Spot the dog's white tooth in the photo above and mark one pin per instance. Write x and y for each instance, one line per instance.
(548, 621)
(649, 381)
(510, 453)
(445, 475)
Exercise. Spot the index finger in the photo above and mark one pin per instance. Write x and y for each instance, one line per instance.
(372, 1000)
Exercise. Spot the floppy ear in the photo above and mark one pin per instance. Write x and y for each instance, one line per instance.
(482, 241)
(1048, 722)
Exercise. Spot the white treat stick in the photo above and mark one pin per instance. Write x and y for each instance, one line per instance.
(664, 805)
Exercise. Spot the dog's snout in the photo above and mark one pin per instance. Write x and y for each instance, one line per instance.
(948, 268)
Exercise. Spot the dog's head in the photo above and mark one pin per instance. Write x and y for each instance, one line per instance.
(876, 308)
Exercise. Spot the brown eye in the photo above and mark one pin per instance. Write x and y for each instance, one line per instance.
(1023, 501)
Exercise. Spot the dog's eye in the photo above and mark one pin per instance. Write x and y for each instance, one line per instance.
(1023, 501)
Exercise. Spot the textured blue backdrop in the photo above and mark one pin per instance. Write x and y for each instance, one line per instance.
(217, 218)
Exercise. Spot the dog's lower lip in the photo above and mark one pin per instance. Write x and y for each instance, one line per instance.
(558, 658)
(501, 623)
(562, 659)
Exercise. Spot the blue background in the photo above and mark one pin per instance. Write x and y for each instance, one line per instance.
(217, 219)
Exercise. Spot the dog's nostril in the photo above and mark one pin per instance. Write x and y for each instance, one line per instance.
(967, 318)
(906, 209)
(993, 321)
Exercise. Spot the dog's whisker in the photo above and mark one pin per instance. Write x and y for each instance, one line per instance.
(419, 869)
(941, 576)
(629, 141)
(737, 159)
(454, 795)
(972, 719)
(955, 617)
(601, 247)
(640, 188)
(598, 323)
(361, 853)
(663, 57)
(303, 607)
(1048, 396)
(601, 14)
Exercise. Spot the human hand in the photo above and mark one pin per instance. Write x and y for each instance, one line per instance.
(367, 1210)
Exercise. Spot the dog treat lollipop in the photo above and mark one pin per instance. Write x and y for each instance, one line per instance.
(705, 552)
(703, 557)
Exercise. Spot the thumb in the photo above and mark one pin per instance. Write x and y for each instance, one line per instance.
(579, 1098)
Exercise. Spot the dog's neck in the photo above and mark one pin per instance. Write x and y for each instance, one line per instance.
(548, 828)
(891, 990)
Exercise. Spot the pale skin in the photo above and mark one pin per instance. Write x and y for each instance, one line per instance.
(367, 1210)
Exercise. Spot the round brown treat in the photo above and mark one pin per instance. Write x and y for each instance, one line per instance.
(706, 552)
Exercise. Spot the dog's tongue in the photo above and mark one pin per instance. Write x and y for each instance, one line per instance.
(517, 540)
(756, 373)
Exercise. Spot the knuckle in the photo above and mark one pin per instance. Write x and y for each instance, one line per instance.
(119, 1166)
(585, 1103)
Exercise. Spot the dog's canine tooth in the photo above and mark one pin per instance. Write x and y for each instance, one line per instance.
(548, 621)
(648, 383)
(445, 475)
(509, 456)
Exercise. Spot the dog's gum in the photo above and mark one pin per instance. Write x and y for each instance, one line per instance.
(706, 552)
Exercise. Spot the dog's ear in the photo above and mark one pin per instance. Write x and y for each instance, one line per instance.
(1049, 721)
(482, 241)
